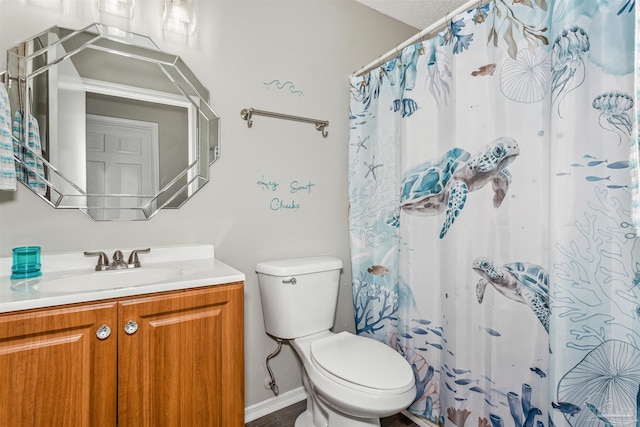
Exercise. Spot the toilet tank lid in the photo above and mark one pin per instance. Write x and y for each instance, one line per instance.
(293, 266)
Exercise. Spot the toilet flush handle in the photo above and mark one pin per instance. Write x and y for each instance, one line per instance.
(293, 281)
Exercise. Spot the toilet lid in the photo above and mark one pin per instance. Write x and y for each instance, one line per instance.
(362, 361)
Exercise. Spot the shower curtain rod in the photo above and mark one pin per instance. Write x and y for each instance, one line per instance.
(425, 34)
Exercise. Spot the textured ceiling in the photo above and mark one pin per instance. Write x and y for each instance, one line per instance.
(417, 13)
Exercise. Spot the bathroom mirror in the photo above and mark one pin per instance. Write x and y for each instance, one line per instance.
(106, 122)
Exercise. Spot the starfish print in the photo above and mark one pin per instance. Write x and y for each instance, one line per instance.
(360, 144)
(372, 168)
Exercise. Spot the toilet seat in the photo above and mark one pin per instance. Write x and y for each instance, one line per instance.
(362, 363)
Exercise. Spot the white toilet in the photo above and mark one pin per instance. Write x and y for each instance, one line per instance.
(350, 380)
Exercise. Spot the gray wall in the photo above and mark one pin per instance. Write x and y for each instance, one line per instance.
(240, 46)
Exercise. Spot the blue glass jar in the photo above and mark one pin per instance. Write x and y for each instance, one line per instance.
(26, 262)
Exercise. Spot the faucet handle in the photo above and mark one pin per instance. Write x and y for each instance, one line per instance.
(134, 262)
(103, 260)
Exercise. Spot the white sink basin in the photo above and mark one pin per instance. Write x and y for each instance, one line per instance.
(103, 280)
(70, 278)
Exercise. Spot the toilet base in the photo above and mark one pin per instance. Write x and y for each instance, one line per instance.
(336, 420)
(322, 414)
(305, 419)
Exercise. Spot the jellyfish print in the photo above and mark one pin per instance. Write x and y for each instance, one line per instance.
(439, 74)
(526, 78)
(567, 62)
(613, 107)
(606, 380)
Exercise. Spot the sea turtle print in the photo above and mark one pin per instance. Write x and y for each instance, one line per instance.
(522, 282)
(434, 187)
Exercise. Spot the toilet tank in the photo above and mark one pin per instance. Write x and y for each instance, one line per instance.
(299, 295)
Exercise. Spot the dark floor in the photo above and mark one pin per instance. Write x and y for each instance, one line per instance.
(286, 418)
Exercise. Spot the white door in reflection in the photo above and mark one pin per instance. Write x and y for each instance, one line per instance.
(122, 159)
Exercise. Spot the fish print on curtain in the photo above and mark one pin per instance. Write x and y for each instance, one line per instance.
(491, 236)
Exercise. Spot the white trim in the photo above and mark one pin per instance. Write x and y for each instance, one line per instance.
(138, 93)
(273, 404)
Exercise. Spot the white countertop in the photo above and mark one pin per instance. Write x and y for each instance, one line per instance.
(198, 262)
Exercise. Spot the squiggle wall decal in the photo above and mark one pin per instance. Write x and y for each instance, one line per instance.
(279, 85)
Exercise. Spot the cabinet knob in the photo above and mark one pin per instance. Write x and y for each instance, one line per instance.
(131, 327)
(103, 332)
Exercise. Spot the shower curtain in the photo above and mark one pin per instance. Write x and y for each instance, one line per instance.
(491, 235)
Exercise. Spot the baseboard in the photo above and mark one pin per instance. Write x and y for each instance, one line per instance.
(276, 403)
(419, 420)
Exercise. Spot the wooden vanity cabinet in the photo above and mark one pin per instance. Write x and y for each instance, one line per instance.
(172, 359)
(53, 369)
(184, 364)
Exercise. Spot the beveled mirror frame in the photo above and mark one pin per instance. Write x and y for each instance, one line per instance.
(42, 53)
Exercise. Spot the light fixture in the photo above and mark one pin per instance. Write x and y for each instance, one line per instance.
(122, 8)
(178, 17)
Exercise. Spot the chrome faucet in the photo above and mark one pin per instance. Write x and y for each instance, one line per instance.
(118, 262)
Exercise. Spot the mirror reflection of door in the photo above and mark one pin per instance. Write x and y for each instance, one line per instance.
(122, 158)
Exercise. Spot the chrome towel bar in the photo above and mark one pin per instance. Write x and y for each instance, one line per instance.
(247, 114)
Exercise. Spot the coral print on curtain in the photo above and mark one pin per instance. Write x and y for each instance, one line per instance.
(490, 219)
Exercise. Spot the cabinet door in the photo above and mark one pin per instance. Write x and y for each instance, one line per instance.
(183, 366)
(54, 371)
